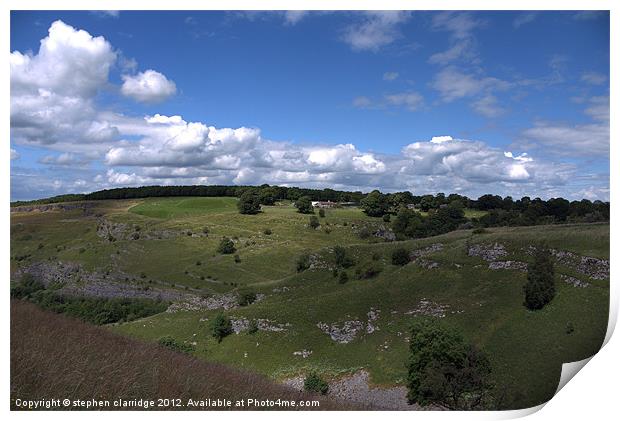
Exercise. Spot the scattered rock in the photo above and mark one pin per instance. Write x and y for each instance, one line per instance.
(508, 264)
(428, 308)
(385, 233)
(427, 264)
(373, 315)
(342, 334)
(577, 283)
(195, 303)
(304, 353)
(488, 252)
(433, 248)
(242, 324)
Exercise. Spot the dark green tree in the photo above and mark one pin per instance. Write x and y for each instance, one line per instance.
(540, 287)
(375, 203)
(315, 383)
(227, 246)
(220, 327)
(313, 222)
(249, 202)
(445, 370)
(304, 205)
(400, 257)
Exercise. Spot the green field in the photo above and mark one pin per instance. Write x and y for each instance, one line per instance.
(526, 348)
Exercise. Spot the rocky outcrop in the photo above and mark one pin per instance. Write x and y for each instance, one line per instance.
(577, 283)
(428, 308)
(487, 252)
(508, 265)
(385, 233)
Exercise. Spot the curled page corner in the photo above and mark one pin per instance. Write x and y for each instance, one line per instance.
(569, 370)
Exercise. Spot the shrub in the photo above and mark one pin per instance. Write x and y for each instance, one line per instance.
(226, 246)
(343, 278)
(303, 262)
(135, 236)
(314, 383)
(267, 231)
(479, 230)
(220, 327)
(170, 342)
(246, 298)
(205, 231)
(341, 257)
(249, 202)
(445, 370)
(569, 328)
(237, 258)
(313, 222)
(253, 327)
(322, 213)
(386, 217)
(364, 233)
(400, 257)
(540, 287)
(304, 205)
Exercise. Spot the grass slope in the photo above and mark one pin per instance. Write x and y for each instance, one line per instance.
(53, 356)
(526, 348)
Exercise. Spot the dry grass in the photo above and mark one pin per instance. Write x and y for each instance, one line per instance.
(53, 356)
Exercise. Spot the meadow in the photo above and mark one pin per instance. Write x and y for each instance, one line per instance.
(175, 249)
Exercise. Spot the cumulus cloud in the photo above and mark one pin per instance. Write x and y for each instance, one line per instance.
(14, 154)
(376, 30)
(389, 76)
(148, 87)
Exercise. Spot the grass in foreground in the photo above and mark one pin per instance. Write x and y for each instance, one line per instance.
(53, 356)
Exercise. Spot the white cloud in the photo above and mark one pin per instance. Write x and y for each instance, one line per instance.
(459, 24)
(488, 106)
(523, 19)
(594, 78)
(452, 84)
(410, 100)
(376, 30)
(389, 76)
(148, 86)
(441, 139)
(64, 159)
(14, 154)
(292, 17)
(362, 102)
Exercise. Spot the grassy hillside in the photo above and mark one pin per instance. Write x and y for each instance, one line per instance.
(53, 356)
(172, 253)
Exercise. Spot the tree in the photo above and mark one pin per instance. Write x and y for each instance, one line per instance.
(268, 196)
(322, 213)
(445, 370)
(314, 383)
(246, 298)
(400, 257)
(227, 246)
(314, 222)
(540, 287)
(343, 278)
(303, 262)
(375, 204)
(221, 327)
(304, 205)
(249, 202)
(341, 257)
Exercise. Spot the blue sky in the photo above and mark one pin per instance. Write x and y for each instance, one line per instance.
(469, 102)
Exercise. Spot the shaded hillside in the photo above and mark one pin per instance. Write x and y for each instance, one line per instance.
(53, 356)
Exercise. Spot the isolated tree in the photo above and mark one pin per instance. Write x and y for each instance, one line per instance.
(341, 258)
(220, 327)
(322, 213)
(375, 203)
(400, 257)
(445, 370)
(313, 222)
(540, 287)
(249, 202)
(268, 196)
(227, 246)
(304, 205)
(315, 383)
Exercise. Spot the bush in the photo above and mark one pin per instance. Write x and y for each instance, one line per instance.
(314, 383)
(322, 213)
(267, 231)
(205, 231)
(341, 257)
(226, 246)
(479, 230)
(364, 233)
(445, 370)
(386, 217)
(249, 202)
(569, 328)
(246, 298)
(220, 327)
(304, 205)
(540, 287)
(170, 342)
(253, 327)
(400, 257)
(303, 262)
(313, 222)
(343, 278)
(237, 258)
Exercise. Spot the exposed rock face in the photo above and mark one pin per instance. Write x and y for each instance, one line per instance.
(373, 315)
(242, 324)
(385, 233)
(77, 281)
(433, 248)
(53, 207)
(585, 265)
(111, 231)
(342, 334)
(428, 308)
(195, 303)
(488, 252)
(508, 264)
(427, 264)
(574, 281)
